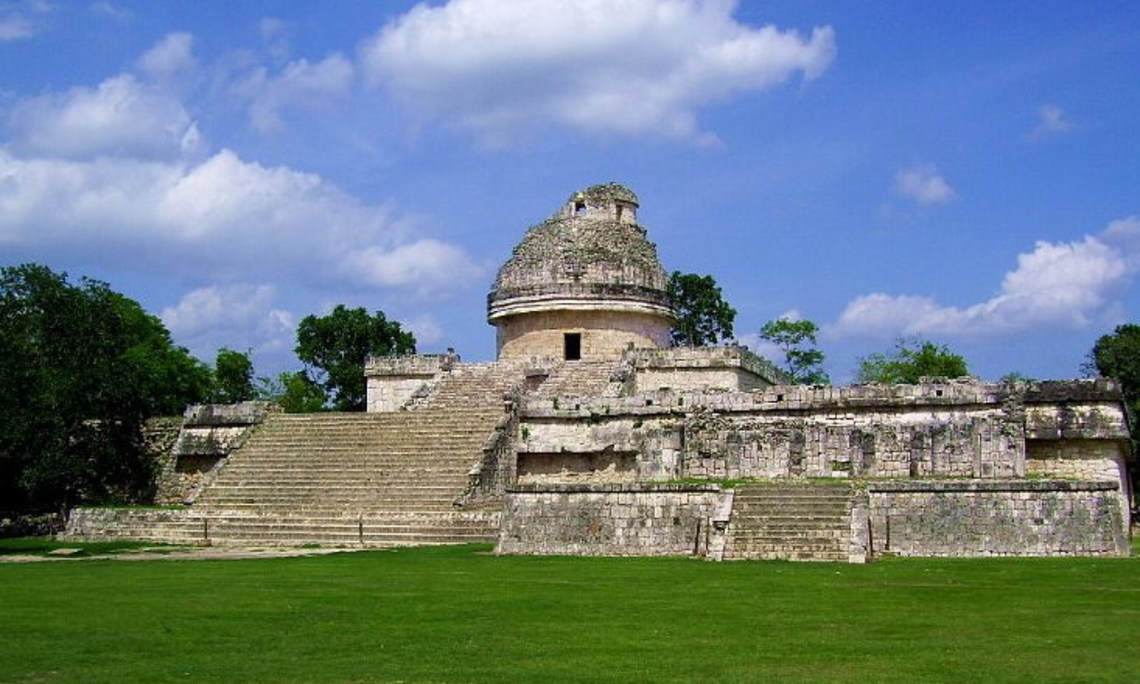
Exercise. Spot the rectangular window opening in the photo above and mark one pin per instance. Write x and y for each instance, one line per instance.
(572, 346)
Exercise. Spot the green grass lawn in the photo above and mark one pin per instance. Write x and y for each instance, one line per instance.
(459, 614)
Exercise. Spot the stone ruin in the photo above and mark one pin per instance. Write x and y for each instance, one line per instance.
(591, 435)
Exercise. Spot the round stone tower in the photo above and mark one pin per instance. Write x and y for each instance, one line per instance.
(584, 284)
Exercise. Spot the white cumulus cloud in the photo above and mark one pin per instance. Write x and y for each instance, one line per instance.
(222, 217)
(1064, 285)
(210, 318)
(615, 66)
(426, 264)
(172, 55)
(300, 83)
(924, 185)
(121, 118)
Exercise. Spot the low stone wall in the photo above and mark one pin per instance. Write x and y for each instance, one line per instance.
(161, 525)
(615, 520)
(208, 434)
(698, 369)
(997, 518)
(497, 465)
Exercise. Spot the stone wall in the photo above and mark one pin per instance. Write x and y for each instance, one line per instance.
(960, 429)
(997, 518)
(605, 332)
(624, 447)
(159, 437)
(615, 520)
(497, 466)
(698, 369)
(393, 381)
(161, 525)
(1078, 459)
(209, 433)
(958, 518)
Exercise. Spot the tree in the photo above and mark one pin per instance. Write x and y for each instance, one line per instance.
(703, 317)
(804, 363)
(337, 345)
(1117, 355)
(81, 369)
(293, 392)
(169, 377)
(233, 377)
(911, 360)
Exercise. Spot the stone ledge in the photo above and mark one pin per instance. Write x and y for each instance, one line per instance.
(991, 486)
(413, 365)
(609, 487)
(213, 415)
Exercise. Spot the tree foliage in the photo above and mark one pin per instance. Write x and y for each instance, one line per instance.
(1117, 355)
(912, 359)
(233, 377)
(336, 346)
(81, 369)
(796, 339)
(703, 317)
(293, 392)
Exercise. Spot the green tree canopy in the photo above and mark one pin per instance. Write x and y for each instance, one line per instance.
(336, 346)
(81, 369)
(703, 317)
(911, 359)
(233, 377)
(796, 339)
(1117, 355)
(293, 392)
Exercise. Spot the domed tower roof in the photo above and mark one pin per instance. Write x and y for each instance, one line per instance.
(592, 260)
(591, 250)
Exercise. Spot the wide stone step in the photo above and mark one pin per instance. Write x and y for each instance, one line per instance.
(284, 486)
(286, 503)
(791, 496)
(299, 458)
(791, 521)
(789, 555)
(222, 527)
(276, 538)
(347, 506)
(362, 477)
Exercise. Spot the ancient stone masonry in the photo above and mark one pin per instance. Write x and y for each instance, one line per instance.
(393, 381)
(955, 451)
(584, 284)
(962, 429)
(997, 518)
(590, 435)
(698, 369)
(209, 434)
(616, 520)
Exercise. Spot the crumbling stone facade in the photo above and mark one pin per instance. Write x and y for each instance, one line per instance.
(585, 284)
(590, 435)
(943, 464)
(208, 435)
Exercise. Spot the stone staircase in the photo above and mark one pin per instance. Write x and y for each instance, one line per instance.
(380, 479)
(791, 521)
(473, 384)
(578, 379)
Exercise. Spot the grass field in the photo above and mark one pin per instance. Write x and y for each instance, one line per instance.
(459, 614)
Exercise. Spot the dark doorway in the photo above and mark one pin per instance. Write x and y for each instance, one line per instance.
(572, 346)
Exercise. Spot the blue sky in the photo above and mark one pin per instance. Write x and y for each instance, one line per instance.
(965, 172)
